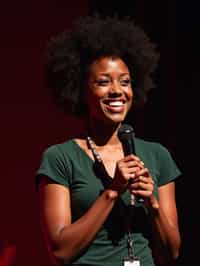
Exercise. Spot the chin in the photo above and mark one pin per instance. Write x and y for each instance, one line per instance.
(115, 119)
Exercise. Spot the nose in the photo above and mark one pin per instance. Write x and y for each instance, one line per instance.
(115, 89)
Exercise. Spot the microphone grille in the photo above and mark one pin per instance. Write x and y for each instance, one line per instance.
(125, 131)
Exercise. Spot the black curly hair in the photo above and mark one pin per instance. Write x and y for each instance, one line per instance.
(70, 54)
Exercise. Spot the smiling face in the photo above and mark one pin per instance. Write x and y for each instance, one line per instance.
(109, 93)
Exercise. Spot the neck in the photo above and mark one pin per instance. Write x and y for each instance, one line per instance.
(103, 134)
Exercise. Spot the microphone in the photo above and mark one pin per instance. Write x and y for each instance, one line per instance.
(126, 135)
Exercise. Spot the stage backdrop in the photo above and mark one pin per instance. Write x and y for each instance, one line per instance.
(30, 122)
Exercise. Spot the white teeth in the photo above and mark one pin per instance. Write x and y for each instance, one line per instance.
(116, 103)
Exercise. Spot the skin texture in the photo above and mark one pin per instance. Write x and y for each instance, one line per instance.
(110, 97)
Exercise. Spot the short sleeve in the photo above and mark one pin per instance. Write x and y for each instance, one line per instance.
(168, 170)
(55, 165)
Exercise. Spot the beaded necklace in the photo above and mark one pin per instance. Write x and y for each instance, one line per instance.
(93, 149)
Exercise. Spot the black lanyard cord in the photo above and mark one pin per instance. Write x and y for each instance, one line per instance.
(129, 213)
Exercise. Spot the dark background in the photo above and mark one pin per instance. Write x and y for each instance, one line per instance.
(30, 122)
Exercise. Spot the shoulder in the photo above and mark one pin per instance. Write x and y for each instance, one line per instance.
(66, 152)
(56, 164)
(153, 151)
(59, 148)
(150, 146)
(159, 159)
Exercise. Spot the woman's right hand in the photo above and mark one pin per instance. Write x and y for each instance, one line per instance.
(125, 171)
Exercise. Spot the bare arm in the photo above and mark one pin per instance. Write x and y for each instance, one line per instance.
(162, 213)
(66, 240)
(165, 223)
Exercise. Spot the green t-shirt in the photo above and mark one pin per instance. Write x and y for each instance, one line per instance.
(68, 164)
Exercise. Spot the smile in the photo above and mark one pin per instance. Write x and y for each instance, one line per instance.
(115, 106)
(116, 103)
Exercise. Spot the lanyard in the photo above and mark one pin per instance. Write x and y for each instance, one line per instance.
(128, 215)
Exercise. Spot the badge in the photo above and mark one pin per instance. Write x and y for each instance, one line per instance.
(131, 262)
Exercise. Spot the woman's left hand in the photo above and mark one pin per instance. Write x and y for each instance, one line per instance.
(142, 184)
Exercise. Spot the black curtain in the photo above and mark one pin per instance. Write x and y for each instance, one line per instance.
(171, 113)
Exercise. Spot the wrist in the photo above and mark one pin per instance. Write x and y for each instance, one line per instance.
(152, 204)
(111, 194)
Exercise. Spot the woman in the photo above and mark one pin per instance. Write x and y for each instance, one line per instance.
(100, 70)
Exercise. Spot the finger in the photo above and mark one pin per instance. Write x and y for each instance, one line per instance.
(135, 163)
(130, 171)
(145, 179)
(141, 193)
(143, 172)
(143, 184)
(131, 163)
(133, 157)
(131, 178)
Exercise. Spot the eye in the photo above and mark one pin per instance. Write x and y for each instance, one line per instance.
(125, 82)
(102, 82)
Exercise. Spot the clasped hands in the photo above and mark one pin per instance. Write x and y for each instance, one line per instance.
(131, 174)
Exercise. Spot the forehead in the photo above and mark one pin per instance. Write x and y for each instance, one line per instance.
(109, 64)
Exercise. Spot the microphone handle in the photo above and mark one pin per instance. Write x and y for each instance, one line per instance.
(129, 148)
(126, 136)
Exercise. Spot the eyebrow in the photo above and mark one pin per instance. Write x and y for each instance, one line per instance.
(108, 75)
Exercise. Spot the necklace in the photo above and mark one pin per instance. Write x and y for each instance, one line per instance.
(93, 149)
(98, 158)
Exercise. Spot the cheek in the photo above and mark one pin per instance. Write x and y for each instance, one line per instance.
(130, 103)
(130, 93)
